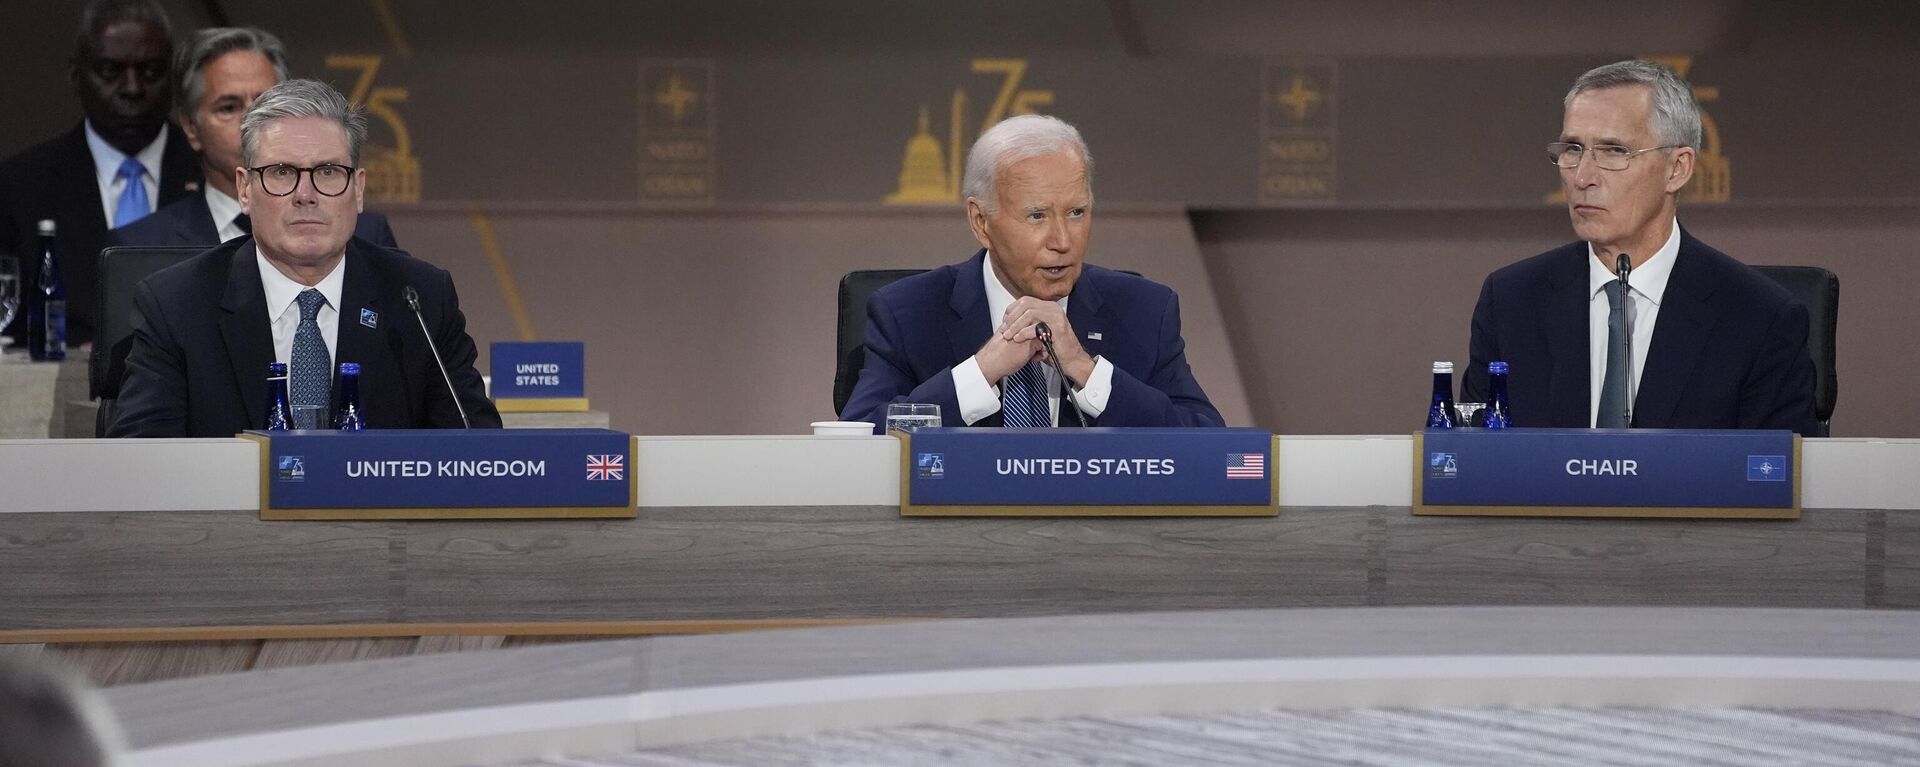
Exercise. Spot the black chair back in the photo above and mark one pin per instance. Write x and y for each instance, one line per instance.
(851, 348)
(1819, 289)
(122, 267)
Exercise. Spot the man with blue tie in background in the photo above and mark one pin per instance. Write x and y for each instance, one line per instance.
(1693, 339)
(113, 168)
(966, 336)
(219, 72)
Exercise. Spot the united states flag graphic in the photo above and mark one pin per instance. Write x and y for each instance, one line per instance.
(1246, 466)
(606, 467)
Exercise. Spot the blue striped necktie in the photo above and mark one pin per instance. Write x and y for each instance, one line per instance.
(133, 204)
(1613, 387)
(1024, 398)
(312, 367)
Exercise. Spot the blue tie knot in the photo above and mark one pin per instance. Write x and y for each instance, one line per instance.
(310, 302)
(132, 170)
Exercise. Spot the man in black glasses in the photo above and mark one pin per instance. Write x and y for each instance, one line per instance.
(1690, 339)
(111, 170)
(302, 291)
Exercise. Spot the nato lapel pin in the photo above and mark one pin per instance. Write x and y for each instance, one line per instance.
(1094, 336)
(369, 318)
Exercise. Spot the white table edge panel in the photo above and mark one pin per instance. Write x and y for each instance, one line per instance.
(46, 475)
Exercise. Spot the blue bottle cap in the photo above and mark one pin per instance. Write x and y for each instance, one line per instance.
(349, 368)
(277, 369)
(1497, 368)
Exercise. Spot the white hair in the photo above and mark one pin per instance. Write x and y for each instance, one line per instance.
(1014, 139)
(1676, 116)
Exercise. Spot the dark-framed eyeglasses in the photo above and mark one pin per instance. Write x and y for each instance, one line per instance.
(280, 180)
(1607, 156)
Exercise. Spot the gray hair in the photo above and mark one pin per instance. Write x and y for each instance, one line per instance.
(1676, 116)
(208, 44)
(1012, 140)
(98, 14)
(302, 98)
(50, 718)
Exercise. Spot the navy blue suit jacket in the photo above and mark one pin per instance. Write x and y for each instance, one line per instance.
(190, 222)
(1729, 347)
(920, 327)
(56, 180)
(202, 342)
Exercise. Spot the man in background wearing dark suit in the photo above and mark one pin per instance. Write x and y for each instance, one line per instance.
(1694, 340)
(111, 170)
(301, 290)
(964, 336)
(219, 72)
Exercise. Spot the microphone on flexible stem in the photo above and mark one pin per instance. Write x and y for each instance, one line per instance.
(413, 302)
(1622, 267)
(1045, 334)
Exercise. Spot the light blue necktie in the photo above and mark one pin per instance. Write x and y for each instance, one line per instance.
(312, 367)
(1024, 398)
(133, 197)
(1613, 388)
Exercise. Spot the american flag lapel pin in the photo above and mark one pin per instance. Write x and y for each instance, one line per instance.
(1094, 336)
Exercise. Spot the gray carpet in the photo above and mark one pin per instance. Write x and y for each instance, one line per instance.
(1405, 737)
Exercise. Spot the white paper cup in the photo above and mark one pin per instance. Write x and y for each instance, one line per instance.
(842, 428)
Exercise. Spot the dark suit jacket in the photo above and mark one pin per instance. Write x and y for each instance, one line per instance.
(920, 327)
(1729, 346)
(202, 342)
(56, 180)
(190, 222)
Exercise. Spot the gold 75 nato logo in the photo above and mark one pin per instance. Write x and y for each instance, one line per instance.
(931, 465)
(1442, 466)
(292, 468)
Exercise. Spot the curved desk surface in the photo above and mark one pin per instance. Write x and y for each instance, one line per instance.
(146, 560)
(616, 697)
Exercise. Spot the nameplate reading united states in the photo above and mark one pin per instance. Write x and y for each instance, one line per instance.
(445, 474)
(541, 376)
(1607, 472)
(1088, 472)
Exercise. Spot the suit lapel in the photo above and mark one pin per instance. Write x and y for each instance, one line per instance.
(1564, 320)
(81, 190)
(1084, 314)
(365, 325)
(197, 226)
(246, 331)
(179, 170)
(969, 326)
(1679, 335)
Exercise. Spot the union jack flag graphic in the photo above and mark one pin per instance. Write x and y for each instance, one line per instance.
(606, 467)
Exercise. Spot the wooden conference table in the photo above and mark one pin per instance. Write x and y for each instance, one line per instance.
(144, 560)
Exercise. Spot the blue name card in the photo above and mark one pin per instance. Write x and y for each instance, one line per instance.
(1104, 471)
(1607, 472)
(445, 474)
(545, 370)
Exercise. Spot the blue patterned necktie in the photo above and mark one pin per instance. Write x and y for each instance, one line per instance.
(1024, 398)
(133, 197)
(311, 368)
(1613, 387)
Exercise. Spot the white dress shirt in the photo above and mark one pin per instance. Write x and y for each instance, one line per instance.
(224, 209)
(1647, 286)
(106, 169)
(978, 399)
(283, 307)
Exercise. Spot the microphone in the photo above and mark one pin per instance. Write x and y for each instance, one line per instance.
(413, 302)
(1622, 266)
(1045, 334)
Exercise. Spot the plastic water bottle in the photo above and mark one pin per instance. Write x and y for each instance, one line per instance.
(1441, 413)
(1499, 412)
(47, 312)
(349, 417)
(279, 411)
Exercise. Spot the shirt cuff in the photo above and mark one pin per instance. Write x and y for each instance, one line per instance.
(1092, 399)
(978, 399)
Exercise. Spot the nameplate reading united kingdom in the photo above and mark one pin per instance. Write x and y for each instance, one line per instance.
(1607, 473)
(445, 474)
(1088, 472)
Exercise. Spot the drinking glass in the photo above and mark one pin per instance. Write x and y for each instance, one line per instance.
(307, 417)
(909, 417)
(1470, 414)
(9, 289)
